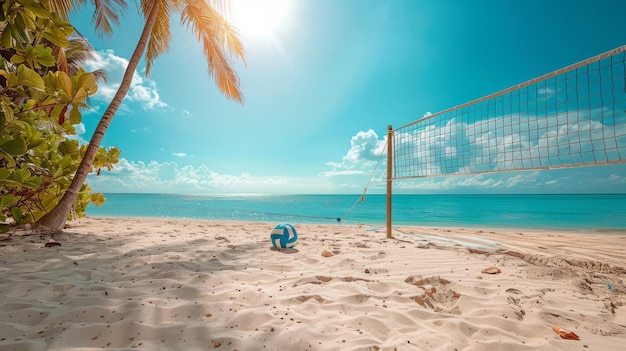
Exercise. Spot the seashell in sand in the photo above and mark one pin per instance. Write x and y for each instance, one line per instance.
(491, 270)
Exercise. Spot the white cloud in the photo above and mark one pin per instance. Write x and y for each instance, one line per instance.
(616, 179)
(154, 176)
(170, 177)
(185, 114)
(365, 151)
(519, 179)
(79, 129)
(179, 154)
(80, 133)
(486, 182)
(546, 92)
(143, 129)
(146, 94)
(142, 90)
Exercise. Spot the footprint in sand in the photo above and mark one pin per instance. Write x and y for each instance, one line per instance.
(313, 280)
(436, 294)
(514, 302)
(355, 299)
(515, 306)
(305, 298)
(319, 279)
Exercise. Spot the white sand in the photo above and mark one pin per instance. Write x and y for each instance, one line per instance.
(157, 284)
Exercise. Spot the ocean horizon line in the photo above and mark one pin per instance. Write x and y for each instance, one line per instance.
(542, 211)
(357, 194)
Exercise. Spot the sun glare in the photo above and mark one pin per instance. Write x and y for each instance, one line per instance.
(259, 18)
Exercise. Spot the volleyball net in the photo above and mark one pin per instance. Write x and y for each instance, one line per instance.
(572, 117)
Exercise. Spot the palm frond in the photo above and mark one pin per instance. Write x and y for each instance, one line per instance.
(233, 43)
(160, 35)
(214, 33)
(78, 53)
(107, 13)
(214, 21)
(79, 50)
(63, 8)
(100, 75)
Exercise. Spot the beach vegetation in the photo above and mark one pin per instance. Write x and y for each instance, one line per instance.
(42, 91)
(219, 40)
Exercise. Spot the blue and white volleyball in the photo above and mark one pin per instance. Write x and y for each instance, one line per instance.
(284, 236)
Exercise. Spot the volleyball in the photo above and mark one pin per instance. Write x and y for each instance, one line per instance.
(284, 236)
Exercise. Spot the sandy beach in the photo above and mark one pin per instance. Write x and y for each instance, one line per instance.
(165, 284)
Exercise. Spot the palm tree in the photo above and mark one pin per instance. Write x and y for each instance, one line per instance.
(219, 40)
(74, 57)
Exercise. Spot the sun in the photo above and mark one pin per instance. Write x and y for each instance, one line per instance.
(259, 18)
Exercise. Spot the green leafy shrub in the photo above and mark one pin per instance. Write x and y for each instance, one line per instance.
(39, 105)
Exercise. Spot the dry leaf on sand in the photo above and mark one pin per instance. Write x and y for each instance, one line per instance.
(565, 334)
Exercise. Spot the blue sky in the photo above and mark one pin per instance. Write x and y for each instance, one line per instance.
(322, 85)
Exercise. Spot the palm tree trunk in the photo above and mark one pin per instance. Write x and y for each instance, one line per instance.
(56, 218)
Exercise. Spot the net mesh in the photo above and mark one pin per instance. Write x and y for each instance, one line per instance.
(572, 117)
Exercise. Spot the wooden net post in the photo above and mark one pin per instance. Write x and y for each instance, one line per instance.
(389, 176)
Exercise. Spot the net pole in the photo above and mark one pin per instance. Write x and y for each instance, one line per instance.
(389, 176)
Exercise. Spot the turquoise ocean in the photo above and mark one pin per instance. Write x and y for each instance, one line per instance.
(596, 212)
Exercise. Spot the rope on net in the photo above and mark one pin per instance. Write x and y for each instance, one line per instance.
(362, 196)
